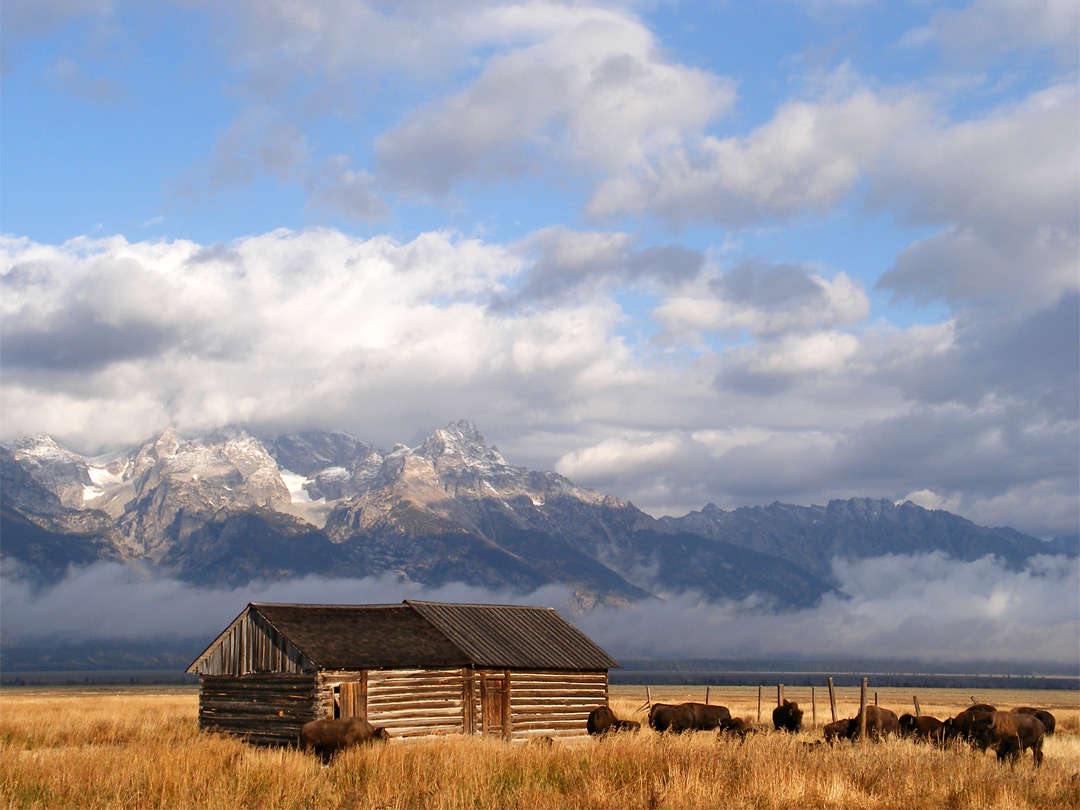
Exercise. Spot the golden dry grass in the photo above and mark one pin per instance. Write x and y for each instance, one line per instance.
(140, 748)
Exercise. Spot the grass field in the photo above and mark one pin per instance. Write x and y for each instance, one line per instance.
(141, 748)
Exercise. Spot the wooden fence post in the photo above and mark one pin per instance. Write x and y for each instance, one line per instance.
(862, 712)
(779, 694)
(759, 703)
(648, 697)
(875, 698)
(918, 713)
(832, 699)
(813, 706)
(706, 696)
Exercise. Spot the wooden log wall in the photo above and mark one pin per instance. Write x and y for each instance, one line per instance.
(416, 703)
(406, 702)
(554, 704)
(264, 709)
(271, 708)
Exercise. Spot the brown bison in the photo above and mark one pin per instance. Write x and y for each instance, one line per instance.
(787, 716)
(1047, 719)
(1010, 733)
(879, 723)
(923, 727)
(960, 727)
(708, 716)
(687, 717)
(603, 721)
(671, 717)
(834, 731)
(327, 737)
(600, 721)
(737, 727)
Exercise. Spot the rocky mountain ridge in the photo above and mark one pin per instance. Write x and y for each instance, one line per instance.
(230, 508)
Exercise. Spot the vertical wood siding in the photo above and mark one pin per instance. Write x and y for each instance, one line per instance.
(250, 645)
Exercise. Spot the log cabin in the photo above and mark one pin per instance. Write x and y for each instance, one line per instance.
(416, 669)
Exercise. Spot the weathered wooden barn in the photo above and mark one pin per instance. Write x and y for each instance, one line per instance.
(416, 669)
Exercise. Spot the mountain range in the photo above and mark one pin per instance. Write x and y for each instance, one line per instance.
(229, 508)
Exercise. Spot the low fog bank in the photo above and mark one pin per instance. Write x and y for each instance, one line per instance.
(923, 607)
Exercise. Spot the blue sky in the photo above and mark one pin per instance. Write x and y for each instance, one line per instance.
(681, 252)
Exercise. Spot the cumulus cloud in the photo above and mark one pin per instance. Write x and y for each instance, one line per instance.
(1005, 189)
(301, 327)
(761, 300)
(583, 84)
(806, 158)
(568, 264)
(925, 606)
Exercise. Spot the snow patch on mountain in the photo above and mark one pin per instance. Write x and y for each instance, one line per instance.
(295, 484)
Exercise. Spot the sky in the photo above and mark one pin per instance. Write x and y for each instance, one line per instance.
(682, 253)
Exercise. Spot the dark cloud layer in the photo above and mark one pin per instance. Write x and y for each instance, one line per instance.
(927, 607)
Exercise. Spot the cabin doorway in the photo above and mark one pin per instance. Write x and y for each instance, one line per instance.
(494, 706)
(350, 699)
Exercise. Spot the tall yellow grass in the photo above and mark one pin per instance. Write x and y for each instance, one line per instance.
(141, 748)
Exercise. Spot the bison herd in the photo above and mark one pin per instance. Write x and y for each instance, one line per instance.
(1009, 733)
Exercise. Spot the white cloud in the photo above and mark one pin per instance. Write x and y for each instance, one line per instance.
(986, 29)
(302, 327)
(616, 457)
(1005, 189)
(760, 300)
(795, 355)
(808, 156)
(588, 87)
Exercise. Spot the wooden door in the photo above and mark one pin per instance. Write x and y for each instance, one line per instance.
(492, 706)
(352, 699)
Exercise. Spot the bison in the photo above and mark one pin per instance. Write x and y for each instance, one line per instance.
(1047, 719)
(671, 717)
(787, 716)
(737, 727)
(923, 727)
(879, 723)
(603, 721)
(708, 717)
(327, 737)
(600, 721)
(687, 717)
(960, 727)
(836, 730)
(1011, 733)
